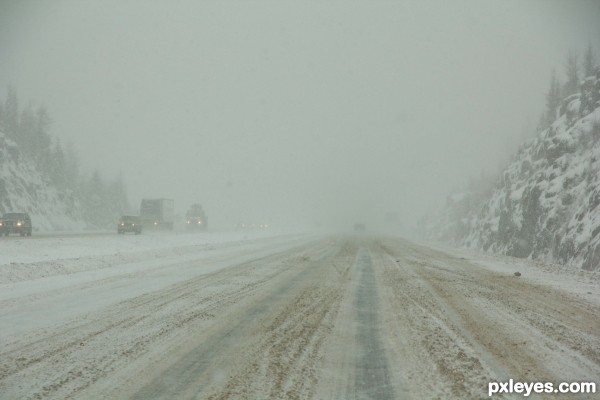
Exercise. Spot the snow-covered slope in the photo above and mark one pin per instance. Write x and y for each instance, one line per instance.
(23, 189)
(546, 204)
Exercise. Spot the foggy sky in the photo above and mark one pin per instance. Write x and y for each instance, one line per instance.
(331, 112)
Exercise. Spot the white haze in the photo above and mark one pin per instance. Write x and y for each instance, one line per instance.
(292, 112)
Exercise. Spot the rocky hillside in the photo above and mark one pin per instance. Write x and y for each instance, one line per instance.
(23, 189)
(546, 204)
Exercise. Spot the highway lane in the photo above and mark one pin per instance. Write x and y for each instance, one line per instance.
(353, 317)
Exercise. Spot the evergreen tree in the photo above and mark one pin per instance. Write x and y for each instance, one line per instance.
(11, 113)
(100, 203)
(71, 172)
(2, 123)
(42, 142)
(26, 137)
(117, 197)
(588, 61)
(94, 201)
(552, 100)
(56, 167)
(103, 202)
(572, 84)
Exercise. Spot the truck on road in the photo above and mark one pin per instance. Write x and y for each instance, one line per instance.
(157, 213)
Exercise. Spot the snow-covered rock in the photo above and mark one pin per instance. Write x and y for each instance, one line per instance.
(24, 189)
(546, 204)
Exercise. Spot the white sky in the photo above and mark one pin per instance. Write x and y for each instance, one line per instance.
(291, 111)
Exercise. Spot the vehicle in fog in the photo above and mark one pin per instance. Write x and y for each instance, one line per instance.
(195, 218)
(16, 223)
(129, 223)
(157, 213)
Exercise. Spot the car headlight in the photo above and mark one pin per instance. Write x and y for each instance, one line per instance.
(18, 223)
(155, 223)
(200, 222)
(189, 222)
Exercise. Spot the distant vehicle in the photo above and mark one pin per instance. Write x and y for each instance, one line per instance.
(195, 218)
(129, 223)
(157, 213)
(15, 223)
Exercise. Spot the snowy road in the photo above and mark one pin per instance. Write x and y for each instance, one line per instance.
(284, 317)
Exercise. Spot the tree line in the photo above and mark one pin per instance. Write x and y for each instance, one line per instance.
(574, 93)
(100, 200)
(580, 79)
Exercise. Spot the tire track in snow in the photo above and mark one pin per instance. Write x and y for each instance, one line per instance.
(94, 346)
(478, 326)
(268, 350)
(372, 373)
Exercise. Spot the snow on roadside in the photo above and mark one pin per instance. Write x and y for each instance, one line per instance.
(30, 258)
(585, 284)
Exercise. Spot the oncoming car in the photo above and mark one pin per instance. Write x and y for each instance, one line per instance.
(129, 223)
(195, 223)
(15, 223)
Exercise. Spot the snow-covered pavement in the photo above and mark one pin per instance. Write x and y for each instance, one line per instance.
(264, 315)
(108, 269)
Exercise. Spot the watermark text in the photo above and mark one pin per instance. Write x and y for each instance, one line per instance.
(527, 388)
